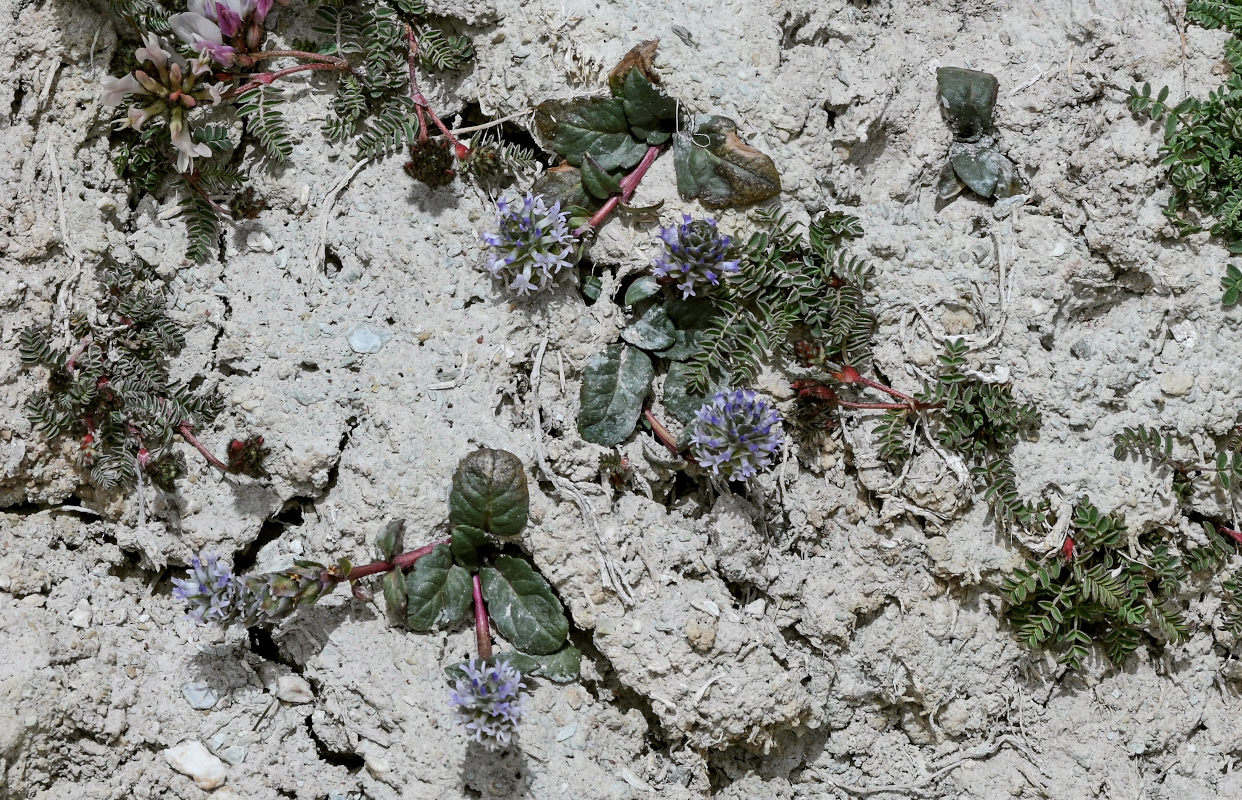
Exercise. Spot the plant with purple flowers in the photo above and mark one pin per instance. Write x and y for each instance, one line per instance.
(434, 586)
(532, 243)
(694, 253)
(736, 434)
(489, 701)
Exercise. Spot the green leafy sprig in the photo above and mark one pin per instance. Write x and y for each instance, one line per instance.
(1204, 169)
(113, 391)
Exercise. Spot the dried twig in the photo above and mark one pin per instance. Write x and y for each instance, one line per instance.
(606, 565)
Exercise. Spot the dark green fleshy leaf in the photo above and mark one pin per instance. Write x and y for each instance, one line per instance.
(394, 593)
(967, 98)
(563, 666)
(594, 125)
(681, 402)
(466, 544)
(564, 183)
(389, 541)
(653, 330)
(596, 181)
(722, 171)
(489, 493)
(614, 385)
(522, 606)
(649, 110)
(641, 289)
(438, 592)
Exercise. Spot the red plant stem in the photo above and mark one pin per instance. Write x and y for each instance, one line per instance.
(72, 363)
(187, 433)
(850, 375)
(662, 433)
(482, 629)
(421, 104)
(302, 54)
(265, 78)
(1231, 533)
(403, 561)
(628, 184)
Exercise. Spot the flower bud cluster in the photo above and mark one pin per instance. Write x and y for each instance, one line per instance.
(532, 243)
(489, 702)
(736, 434)
(694, 255)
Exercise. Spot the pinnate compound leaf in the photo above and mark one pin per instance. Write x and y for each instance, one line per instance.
(722, 171)
(614, 385)
(489, 493)
(589, 125)
(438, 592)
(522, 606)
(466, 544)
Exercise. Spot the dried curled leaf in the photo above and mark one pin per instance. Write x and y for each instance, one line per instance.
(716, 166)
(641, 58)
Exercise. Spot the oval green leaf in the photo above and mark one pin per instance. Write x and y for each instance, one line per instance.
(438, 592)
(614, 386)
(489, 493)
(466, 544)
(651, 331)
(589, 125)
(523, 607)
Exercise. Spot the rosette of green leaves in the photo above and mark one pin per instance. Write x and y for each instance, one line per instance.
(603, 138)
(488, 504)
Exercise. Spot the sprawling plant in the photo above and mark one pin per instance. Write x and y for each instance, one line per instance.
(475, 571)
(1200, 145)
(1099, 591)
(110, 388)
(201, 105)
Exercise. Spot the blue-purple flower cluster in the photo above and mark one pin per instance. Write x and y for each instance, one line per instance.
(489, 702)
(533, 243)
(694, 253)
(736, 434)
(210, 591)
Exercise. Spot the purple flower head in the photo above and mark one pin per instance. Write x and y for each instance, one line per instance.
(694, 253)
(736, 434)
(210, 592)
(489, 702)
(532, 243)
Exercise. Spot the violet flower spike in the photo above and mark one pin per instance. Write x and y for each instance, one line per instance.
(209, 591)
(736, 434)
(532, 244)
(489, 702)
(694, 255)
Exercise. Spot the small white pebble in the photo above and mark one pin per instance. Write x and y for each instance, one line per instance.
(294, 689)
(195, 760)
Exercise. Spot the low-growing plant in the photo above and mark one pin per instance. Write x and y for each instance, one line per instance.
(1203, 168)
(1099, 590)
(475, 571)
(198, 92)
(110, 388)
